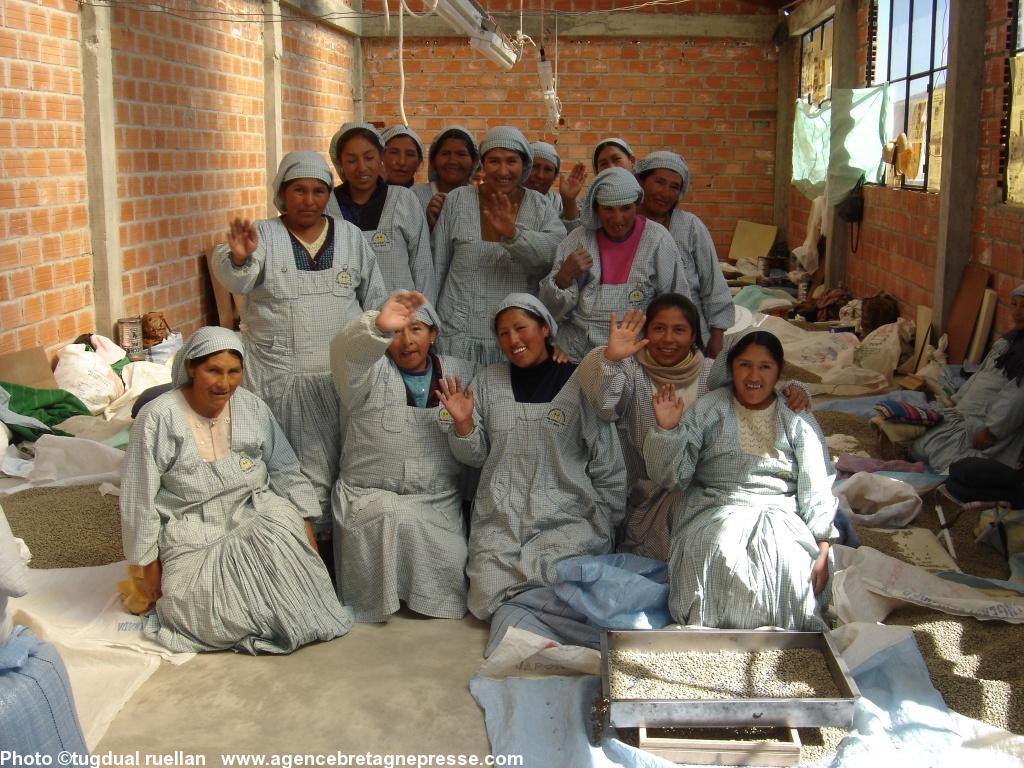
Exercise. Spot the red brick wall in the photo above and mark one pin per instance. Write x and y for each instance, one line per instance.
(713, 101)
(897, 247)
(190, 149)
(317, 84)
(898, 238)
(45, 260)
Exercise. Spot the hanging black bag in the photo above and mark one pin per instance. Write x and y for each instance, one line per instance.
(851, 210)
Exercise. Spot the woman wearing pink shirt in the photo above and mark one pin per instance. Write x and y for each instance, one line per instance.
(614, 262)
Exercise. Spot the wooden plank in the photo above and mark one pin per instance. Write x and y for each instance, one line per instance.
(965, 310)
(979, 342)
(723, 752)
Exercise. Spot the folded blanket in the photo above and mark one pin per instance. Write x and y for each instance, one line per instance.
(50, 406)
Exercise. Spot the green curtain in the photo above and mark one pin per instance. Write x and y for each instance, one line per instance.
(859, 123)
(811, 128)
(840, 141)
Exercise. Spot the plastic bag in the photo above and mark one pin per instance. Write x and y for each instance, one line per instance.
(877, 500)
(85, 375)
(880, 350)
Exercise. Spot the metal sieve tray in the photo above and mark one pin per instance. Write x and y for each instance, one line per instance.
(668, 713)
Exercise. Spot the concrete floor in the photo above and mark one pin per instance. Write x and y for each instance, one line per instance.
(400, 687)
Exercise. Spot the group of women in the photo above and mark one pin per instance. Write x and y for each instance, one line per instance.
(400, 408)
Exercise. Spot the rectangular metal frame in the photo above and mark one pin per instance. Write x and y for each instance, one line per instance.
(668, 713)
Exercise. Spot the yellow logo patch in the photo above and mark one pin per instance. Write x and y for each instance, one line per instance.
(443, 416)
(344, 278)
(380, 240)
(556, 416)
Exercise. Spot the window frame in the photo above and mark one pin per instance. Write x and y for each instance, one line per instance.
(804, 37)
(1014, 47)
(903, 84)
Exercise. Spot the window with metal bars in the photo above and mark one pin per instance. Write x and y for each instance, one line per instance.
(816, 63)
(909, 49)
(1012, 155)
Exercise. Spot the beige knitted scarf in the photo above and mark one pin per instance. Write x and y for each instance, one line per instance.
(683, 376)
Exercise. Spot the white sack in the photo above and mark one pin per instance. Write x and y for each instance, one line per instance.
(877, 500)
(524, 654)
(872, 585)
(85, 375)
(138, 377)
(880, 350)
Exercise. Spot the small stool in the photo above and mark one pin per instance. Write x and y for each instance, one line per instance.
(1003, 508)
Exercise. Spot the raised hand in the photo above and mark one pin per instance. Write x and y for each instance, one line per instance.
(624, 338)
(576, 263)
(500, 212)
(399, 310)
(459, 403)
(569, 185)
(434, 208)
(242, 240)
(668, 408)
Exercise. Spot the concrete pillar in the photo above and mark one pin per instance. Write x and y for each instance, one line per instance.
(960, 130)
(844, 75)
(788, 53)
(101, 167)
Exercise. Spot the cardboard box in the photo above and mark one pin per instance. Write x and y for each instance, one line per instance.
(30, 368)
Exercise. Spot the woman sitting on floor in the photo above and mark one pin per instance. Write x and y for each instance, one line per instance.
(750, 547)
(397, 504)
(619, 381)
(552, 483)
(988, 418)
(213, 507)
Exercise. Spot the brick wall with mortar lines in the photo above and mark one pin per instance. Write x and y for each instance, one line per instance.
(317, 82)
(190, 149)
(45, 259)
(900, 228)
(713, 101)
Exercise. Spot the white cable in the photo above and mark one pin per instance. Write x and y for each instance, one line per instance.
(403, 8)
(430, 10)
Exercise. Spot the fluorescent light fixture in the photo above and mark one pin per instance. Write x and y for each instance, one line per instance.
(495, 48)
(461, 15)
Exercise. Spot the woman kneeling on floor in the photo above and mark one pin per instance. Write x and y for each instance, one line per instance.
(212, 507)
(397, 503)
(552, 484)
(750, 545)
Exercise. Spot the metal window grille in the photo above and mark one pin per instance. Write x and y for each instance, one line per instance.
(1014, 47)
(816, 63)
(908, 46)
